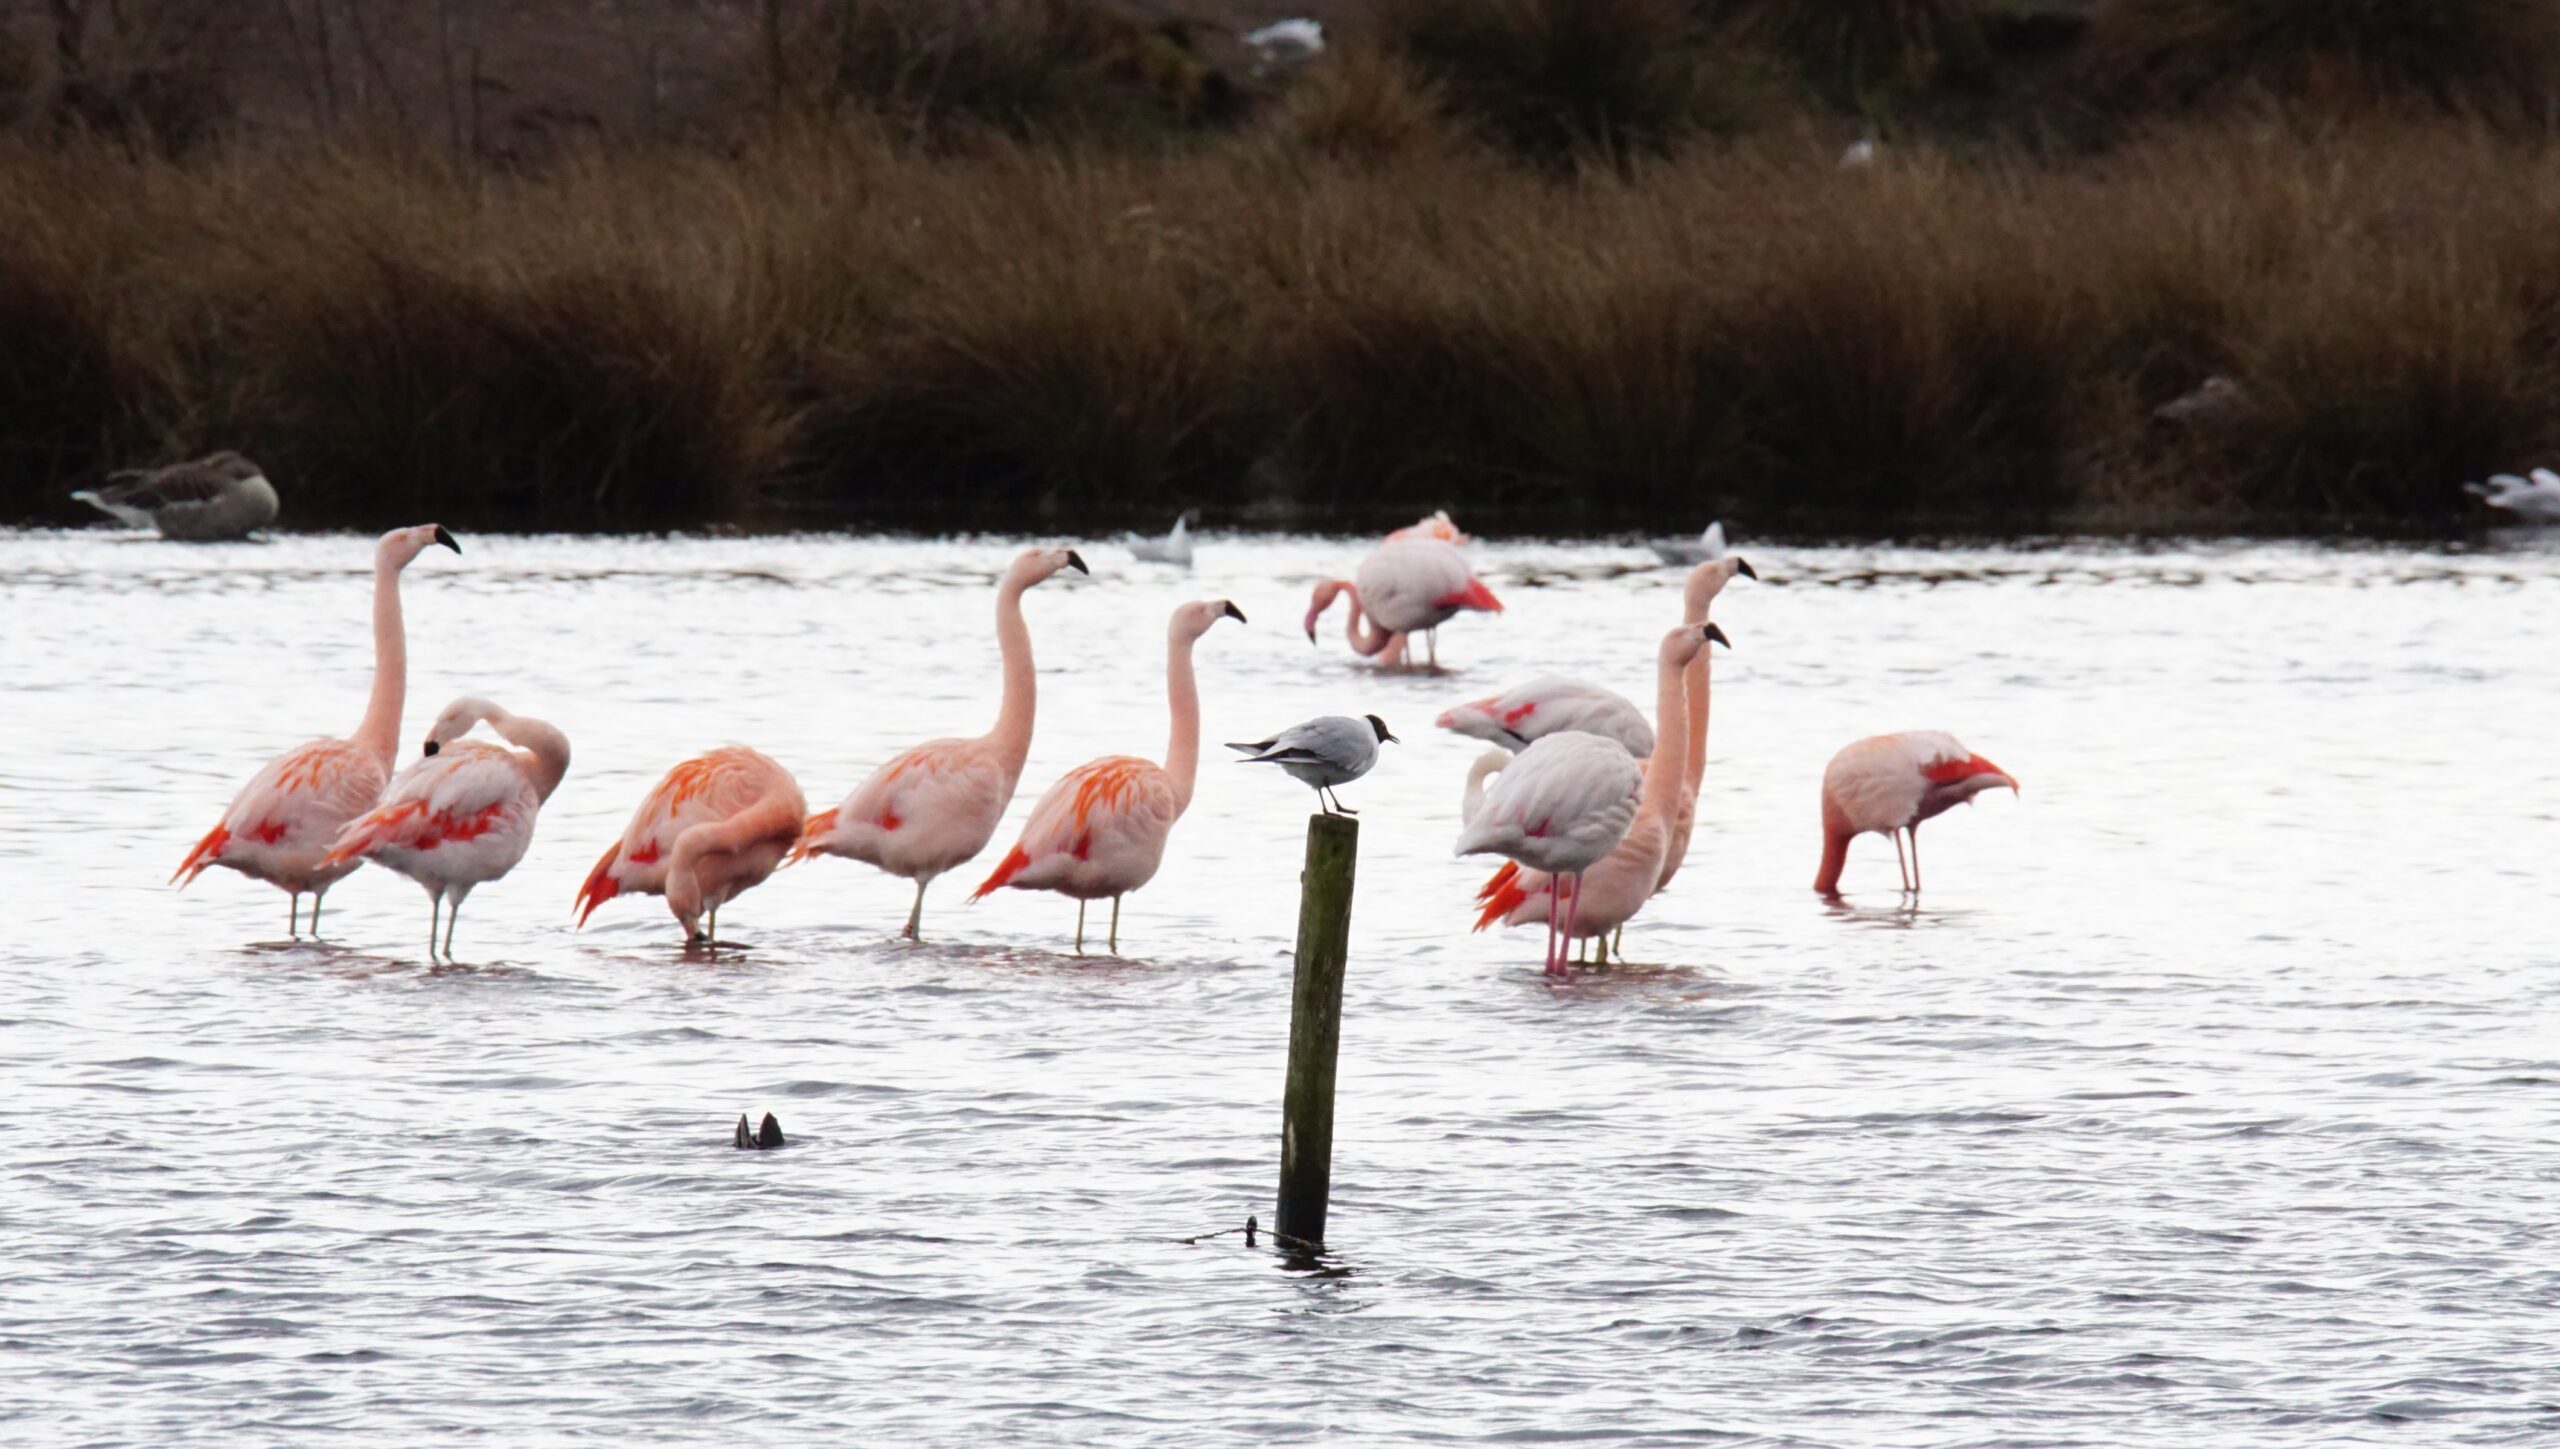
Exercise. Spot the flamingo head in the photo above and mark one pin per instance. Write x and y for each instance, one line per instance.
(1689, 641)
(1708, 580)
(1192, 620)
(1039, 565)
(457, 720)
(1971, 776)
(401, 545)
(1322, 599)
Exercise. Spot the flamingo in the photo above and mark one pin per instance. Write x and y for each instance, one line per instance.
(1560, 806)
(710, 831)
(1551, 702)
(463, 814)
(937, 805)
(1612, 890)
(1407, 586)
(282, 823)
(1436, 525)
(1101, 830)
(1889, 784)
(1697, 599)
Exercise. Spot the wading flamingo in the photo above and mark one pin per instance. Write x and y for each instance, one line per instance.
(282, 823)
(462, 815)
(1560, 806)
(1697, 599)
(711, 831)
(1410, 586)
(1889, 784)
(1614, 888)
(1100, 831)
(937, 805)
(1518, 716)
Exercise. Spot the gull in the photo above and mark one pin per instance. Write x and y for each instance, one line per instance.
(1284, 44)
(1683, 552)
(1173, 548)
(2537, 497)
(1326, 752)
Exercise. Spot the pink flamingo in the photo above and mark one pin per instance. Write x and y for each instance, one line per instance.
(711, 831)
(1101, 830)
(282, 823)
(1889, 784)
(463, 815)
(937, 805)
(1409, 586)
(1614, 888)
(1520, 715)
(1705, 582)
(1560, 806)
(1438, 525)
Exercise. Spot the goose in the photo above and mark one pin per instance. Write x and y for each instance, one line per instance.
(223, 496)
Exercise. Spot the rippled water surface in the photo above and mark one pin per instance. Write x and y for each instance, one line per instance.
(2211, 1097)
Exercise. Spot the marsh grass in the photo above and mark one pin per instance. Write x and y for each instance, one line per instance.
(834, 325)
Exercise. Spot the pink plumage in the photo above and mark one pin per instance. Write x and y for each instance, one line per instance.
(711, 830)
(1888, 784)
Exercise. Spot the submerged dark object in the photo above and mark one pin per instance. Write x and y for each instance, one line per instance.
(766, 1136)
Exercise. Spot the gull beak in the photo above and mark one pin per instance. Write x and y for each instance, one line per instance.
(446, 539)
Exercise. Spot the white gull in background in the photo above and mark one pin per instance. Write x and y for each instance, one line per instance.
(2536, 497)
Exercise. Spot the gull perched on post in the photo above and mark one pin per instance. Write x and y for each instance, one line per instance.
(1331, 751)
(2537, 497)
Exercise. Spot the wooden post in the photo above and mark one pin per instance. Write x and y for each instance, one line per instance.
(1315, 1029)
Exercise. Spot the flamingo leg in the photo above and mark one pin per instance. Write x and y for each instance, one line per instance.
(1079, 928)
(292, 914)
(711, 928)
(1115, 925)
(1550, 965)
(315, 913)
(915, 916)
(1899, 863)
(1618, 942)
(1602, 946)
(1572, 904)
(1432, 637)
(435, 905)
(452, 913)
(1915, 860)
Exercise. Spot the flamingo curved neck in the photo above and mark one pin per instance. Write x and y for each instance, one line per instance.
(379, 734)
(1182, 749)
(538, 738)
(1360, 630)
(1012, 733)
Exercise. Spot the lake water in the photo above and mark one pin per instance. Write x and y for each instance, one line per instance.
(2212, 1095)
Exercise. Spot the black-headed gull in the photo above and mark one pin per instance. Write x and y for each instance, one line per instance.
(1326, 752)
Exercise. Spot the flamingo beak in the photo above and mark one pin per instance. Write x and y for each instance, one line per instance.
(432, 747)
(1076, 561)
(1743, 567)
(446, 539)
(1716, 635)
(1228, 607)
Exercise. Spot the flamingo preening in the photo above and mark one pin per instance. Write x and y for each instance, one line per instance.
(1407, 586)
(1101, 830)
(1888, 784)
(1612, 889)
(934, 807)
(713, 828)
(282, 824)
(463, 815)
(1550, 703)
(1559, 806)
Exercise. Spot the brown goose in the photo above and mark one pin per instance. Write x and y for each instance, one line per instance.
(218, 497)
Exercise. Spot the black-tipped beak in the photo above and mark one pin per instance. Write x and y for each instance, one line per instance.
(1075, 561)
(1743, 567)
(446, 539)
(1233, 612)
(1716, 636)
(432, 747)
